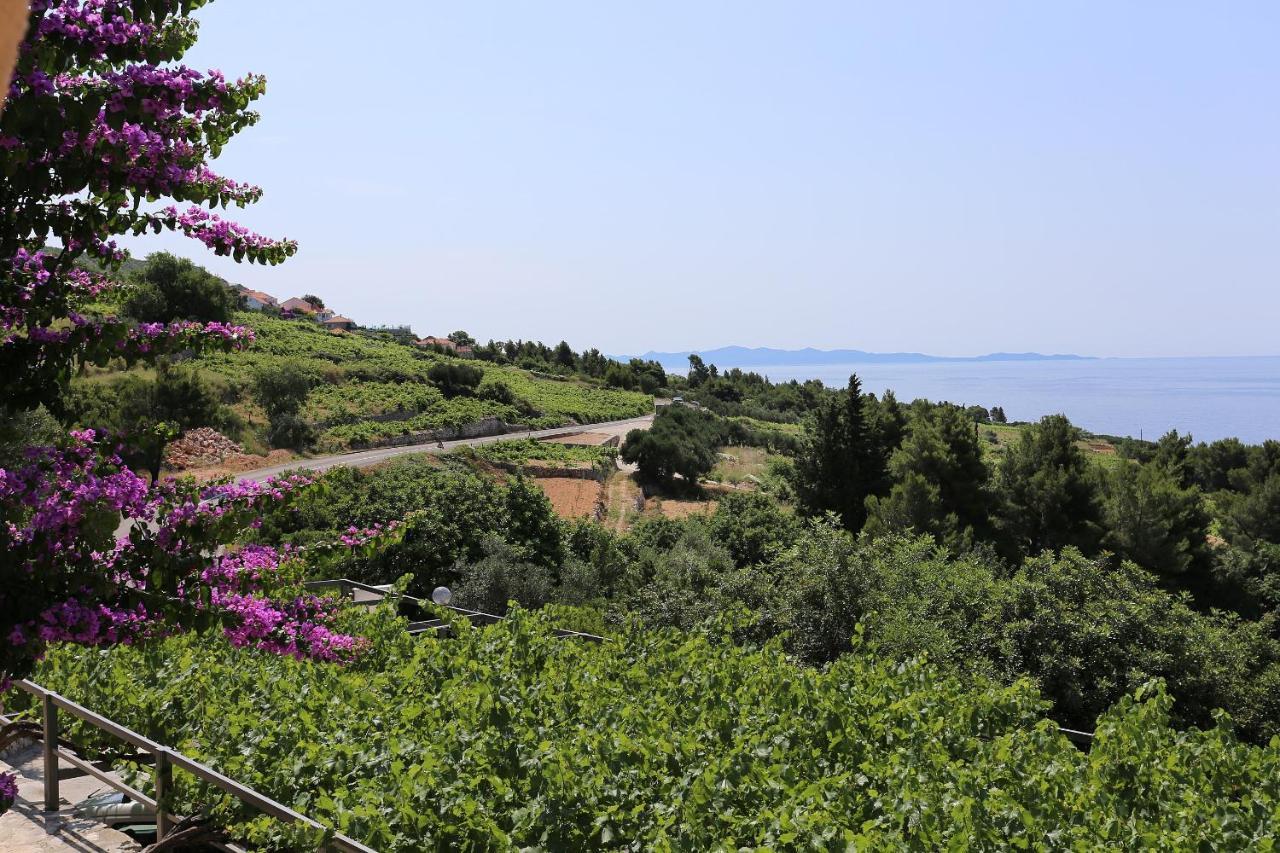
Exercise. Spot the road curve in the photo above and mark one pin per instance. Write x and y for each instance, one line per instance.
(365, 458)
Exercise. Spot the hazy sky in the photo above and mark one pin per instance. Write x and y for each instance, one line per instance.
(1100, 178)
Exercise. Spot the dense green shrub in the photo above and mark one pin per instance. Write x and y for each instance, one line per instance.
(682, 442)
(455, 378)
(1086, 630)
(167, 288)
(281, 389)
(446, 514)
(146, 412)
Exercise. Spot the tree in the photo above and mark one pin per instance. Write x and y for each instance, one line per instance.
(462, 339)
(532, 524)
(594, 362)
(978, 414)
(565, 356)
(1173, 454)
(99, 122)
(698, 372)
(1251, 510)
(1089, 631)
(24, 429)
(503, 575)
(169, 288)
(841, 460)
(1048, 492)
(314, 301)
(998, 416)
(681, 442)
(889, 423)
(281, 389)
(940, 481)
(910, 596)
(146, 414)
(455, 379)
(1211, 464)
(1155, 521)
(752, 526)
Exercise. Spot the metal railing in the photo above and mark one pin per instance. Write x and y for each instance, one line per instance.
(374, 594)
(348, 588)
(166, 760)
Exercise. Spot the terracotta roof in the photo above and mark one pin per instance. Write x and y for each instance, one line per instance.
(296, 304)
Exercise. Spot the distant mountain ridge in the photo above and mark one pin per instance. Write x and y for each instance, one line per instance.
(735, 356)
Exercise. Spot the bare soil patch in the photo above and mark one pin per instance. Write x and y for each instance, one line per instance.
(238, 464)
(589, 439)
(571, 497)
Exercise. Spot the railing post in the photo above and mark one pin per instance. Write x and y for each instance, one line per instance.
(164, 785)
(50, 714)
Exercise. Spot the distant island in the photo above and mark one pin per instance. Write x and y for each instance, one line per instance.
(736, 356)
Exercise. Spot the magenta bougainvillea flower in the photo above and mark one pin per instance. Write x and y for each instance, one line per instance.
(106, 133)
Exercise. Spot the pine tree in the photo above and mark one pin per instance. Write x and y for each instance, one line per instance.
(1049, 495)
(842, 459)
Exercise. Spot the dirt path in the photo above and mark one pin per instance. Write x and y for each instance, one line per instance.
(621, 498)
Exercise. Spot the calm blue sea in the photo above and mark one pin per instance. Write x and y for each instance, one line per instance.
(1210, 398)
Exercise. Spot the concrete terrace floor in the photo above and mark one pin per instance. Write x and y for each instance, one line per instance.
(28, 828)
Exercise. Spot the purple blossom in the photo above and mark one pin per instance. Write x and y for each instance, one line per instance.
(105, 127)
(8, 791)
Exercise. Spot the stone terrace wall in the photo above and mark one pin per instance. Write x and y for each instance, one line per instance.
(479, 429)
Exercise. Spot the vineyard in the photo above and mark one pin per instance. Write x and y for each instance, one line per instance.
(527, 450)
(371, 388)
(507, 738)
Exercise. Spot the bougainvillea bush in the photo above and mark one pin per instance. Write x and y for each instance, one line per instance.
(105, 133)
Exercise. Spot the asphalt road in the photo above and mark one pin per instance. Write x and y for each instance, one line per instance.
(364, 458)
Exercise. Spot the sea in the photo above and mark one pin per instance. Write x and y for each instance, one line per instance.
(1210, 398)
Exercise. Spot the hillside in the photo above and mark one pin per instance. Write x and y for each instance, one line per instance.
(367, 389)
(374, 388)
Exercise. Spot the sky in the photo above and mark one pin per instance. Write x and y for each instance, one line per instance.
(1097, 178)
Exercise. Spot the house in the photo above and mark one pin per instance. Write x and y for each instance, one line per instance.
(256, 300)
(433, 341)
(445, 343)
(298, 306)
(338, 323)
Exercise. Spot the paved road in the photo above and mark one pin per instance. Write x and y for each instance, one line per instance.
(364, 458)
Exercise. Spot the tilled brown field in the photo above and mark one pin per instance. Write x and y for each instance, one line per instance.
(572, 498)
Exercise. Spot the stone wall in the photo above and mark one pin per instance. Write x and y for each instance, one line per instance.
(478, 429)
(572, 472)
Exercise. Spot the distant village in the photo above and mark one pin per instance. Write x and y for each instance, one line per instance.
(313, 309)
